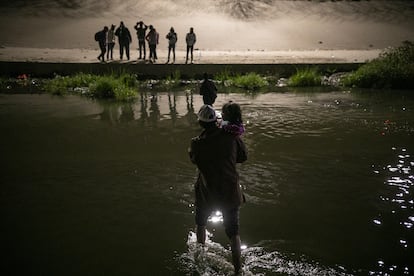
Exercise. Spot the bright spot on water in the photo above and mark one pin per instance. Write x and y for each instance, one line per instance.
(216, 217)
(243, 246)
(408, 225)
(404, 243)
(377, 222)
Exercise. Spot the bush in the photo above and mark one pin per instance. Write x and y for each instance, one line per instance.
(251, 81)
(122, 87)
(305, 77)
(173, 80)
(394, 68)
(103, 88)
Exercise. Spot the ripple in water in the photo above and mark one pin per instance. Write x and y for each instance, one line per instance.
(214, 259)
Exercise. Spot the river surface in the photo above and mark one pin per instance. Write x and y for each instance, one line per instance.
(100, 188)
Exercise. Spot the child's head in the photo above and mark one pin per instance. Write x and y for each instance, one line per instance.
(231, 112)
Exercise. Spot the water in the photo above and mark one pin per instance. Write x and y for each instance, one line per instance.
(101, 188)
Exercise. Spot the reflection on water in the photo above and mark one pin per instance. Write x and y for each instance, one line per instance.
(396, 209)
(214, 259)
(147, 111)
(328, 185)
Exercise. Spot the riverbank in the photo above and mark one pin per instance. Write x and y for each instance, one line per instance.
(42, 62)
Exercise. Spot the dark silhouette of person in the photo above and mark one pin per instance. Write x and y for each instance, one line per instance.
(127, 113)
(110, 42)
(190, 39)
(100, 37)
(216, 153)
(144, 105)
(172, 40)
(152, 38)
(124, 39)
(141, 28)
(172, 103)
(190, 115)
(154, 110)
(208, 90)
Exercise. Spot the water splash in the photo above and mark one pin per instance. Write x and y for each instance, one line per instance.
(214, 259)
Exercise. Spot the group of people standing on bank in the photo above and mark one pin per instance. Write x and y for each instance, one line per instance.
(106, 39)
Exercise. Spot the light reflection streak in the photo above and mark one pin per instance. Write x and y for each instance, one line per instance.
(400, 203)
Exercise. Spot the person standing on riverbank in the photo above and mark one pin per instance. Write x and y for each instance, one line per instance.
(216, 152)
(172, 39)
(100, 37)
(190, 39)
(141, 28)
(153, 39)
(208, 90)
(124, 39)
(110, 42)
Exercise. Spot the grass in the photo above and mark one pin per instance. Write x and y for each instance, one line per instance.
(173, 80)
(394, 68)
(120, 87)
(305, 77)
(250, 81)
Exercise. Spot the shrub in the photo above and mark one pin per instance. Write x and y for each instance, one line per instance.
(103, 88)
(173, 80)
(394, 68)
(251, 81)
(122, 87)
(57, 86)
(305, 77)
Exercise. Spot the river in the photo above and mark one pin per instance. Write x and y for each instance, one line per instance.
(101, 188)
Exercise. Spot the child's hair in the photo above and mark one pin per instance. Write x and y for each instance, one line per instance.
(231, 112)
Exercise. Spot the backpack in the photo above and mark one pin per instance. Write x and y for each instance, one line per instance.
(97, 36)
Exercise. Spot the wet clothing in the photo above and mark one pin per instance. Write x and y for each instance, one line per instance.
(124, 39)
(230, 219)
(216, 152)
(209, 91)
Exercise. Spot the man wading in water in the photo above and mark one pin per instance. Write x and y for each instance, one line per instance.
(208, 90)
(215, 152)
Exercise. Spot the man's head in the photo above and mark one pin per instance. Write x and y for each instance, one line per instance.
(207, 116)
